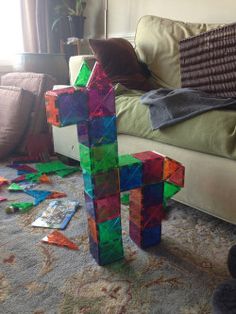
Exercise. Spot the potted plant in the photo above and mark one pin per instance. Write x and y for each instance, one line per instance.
(71, 13)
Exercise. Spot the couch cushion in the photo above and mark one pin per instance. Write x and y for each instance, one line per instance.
(212, 132)
(15, 107)
(119, 61)
(157, 44)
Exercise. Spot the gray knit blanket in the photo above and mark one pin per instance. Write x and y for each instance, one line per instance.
(170, 106)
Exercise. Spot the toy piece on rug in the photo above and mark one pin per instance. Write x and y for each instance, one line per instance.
(57, 215)
(27, 185)
(22, 207)
(3, 199)
(19, 179)
(3, 181)
(58, 238)
(55, 194)
(33, 177)
(14, 187)
(22, 169)
(65, 172)
(57, 167)
(38, 177)
(44, 179)
(39, 195)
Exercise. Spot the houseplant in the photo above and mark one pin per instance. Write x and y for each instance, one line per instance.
(71, 14)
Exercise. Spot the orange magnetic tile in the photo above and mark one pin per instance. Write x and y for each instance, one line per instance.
(44, 179)
(3, 181)
(51, 110)
(93, 229)
(178, 176)
(56, 195)
(58, 238)
(170, 166)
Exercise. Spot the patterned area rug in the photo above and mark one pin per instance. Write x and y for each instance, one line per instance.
(178, 276)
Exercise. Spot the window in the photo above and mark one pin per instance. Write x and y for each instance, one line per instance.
(11, 39)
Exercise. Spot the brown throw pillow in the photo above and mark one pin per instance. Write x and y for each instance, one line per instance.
(119, 61)
(15, 107)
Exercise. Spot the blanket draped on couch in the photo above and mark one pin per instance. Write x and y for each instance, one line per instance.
(170, 106)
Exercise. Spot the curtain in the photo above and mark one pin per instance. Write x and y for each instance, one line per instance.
(37, 18)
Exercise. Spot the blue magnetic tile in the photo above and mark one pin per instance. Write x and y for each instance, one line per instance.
(73, 108)
(97, 131)
(103, 130)
(130, 177)
(153, 194)
(151, 236)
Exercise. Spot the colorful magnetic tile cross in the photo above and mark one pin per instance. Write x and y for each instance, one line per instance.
(151, 177)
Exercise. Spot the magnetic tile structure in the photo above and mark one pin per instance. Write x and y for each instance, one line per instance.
(152, 178)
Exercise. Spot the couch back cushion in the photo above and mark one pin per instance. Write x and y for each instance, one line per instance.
(157, 45)
(15, 108)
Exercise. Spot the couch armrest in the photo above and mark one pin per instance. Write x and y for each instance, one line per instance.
(75, 64)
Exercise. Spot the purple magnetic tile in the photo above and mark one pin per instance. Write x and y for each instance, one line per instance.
(101, 105)
(73, 108)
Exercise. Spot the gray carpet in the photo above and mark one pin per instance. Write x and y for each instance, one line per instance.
(178, 276)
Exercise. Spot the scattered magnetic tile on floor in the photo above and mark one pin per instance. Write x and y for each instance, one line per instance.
(57, 215)
(22, 207)
(55, 194)
(3, 181)
(3, 199)
(59, 239)
(44, 179)
(34, 177)
(38, 195)
(50, 167)
(14, 187)
(22, 169)
(19, 179)
(65, 172)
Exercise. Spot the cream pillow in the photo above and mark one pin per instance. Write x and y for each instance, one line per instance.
(157, 45)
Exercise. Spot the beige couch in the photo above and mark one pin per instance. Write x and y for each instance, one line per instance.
(210, 184)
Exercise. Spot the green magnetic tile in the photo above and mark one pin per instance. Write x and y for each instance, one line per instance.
(52, 166)
(65, 172)
(23, 207)
(111, 252)
(34, 177)
(111, 255)
(85, 158)
(170, 190)
(99, 158)
(125, 199)
(125, 160)
(109, 230)
(15, 188)
(83, 76)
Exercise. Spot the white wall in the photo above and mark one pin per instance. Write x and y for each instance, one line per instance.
(123, 15)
